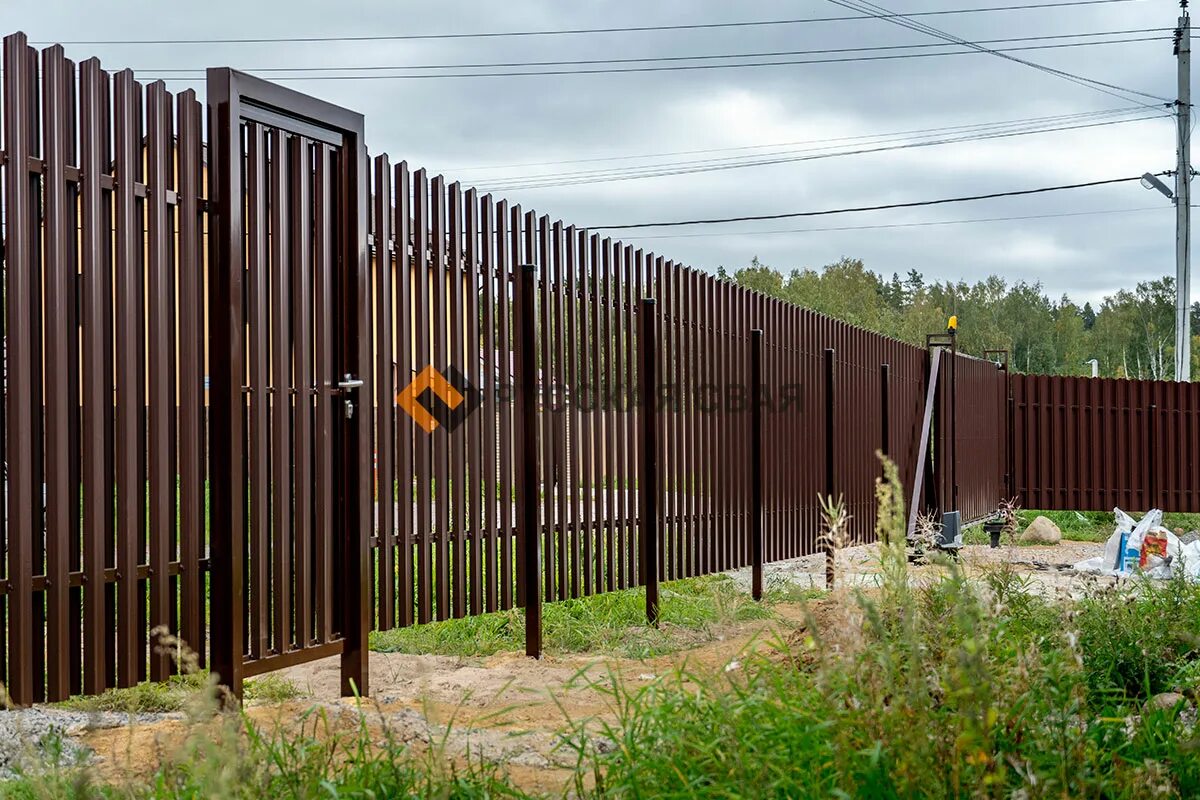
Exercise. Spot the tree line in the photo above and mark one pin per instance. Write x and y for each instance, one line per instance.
(1131, 333)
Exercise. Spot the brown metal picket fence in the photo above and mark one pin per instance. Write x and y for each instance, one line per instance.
(588, 471)
(1096, 444)
(207, 338)
(104, 400)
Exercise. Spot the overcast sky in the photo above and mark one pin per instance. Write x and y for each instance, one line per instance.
(460, 125)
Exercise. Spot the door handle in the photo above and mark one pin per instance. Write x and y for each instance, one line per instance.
(347, 383)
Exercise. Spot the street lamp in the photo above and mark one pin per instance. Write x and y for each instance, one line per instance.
(1095, 362)
(1183, 269)
(1152, 182)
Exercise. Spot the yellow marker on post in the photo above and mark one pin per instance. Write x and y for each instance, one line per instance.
(952, 325)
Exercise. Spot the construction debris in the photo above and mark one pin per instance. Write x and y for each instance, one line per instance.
(1145, 547)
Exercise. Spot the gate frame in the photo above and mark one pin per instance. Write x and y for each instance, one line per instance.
(232, 97)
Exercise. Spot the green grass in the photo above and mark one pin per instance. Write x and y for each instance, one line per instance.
(174, 694)
(611, 623)
(957, 689)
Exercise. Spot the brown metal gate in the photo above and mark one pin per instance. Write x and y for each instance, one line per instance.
(290, 408)
(971, 436)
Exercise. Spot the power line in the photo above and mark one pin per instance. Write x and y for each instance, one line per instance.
(963, 133)
(570, 31)
(904, 20)
(827, 212)
(931, 223)
(654, 172)
(860, 137)
(879, 12)
(684, 67)
(665, 59)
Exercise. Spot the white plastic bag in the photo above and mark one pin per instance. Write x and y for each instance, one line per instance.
(1181, 559)
(1108, 564)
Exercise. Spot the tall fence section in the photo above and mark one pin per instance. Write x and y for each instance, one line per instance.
(259, 395)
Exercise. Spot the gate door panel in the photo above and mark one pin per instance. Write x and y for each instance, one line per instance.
(290, 409)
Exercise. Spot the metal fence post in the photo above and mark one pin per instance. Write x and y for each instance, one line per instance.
(885, 402)
(953, 423)
(830, 451)
(756, 465)
(526, 458)
(226, 428)
(1151, 456)
(648, 456)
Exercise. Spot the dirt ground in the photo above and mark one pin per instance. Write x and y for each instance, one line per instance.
(515, 712)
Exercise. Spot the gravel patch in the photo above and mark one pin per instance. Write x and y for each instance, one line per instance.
(31, 738)
(1046, 568)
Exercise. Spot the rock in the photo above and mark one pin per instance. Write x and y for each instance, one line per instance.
(1041, 531)
(604, 745)
(1165, 701)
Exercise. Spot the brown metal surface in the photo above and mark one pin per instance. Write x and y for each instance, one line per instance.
(490, 518)
(300, 222)
(277, 394)
(756, 465)
(529, 544)
(440, 321)
(559, 418)
(831, 473)
(504, 289)
(571, 282)
(537, 250)
(258, 391)
(62, 365)
(162, 467)
(354, 484)
(386, 500)
(192, 372)
(226, 267)
(422, 325)
(980, 436)
(456, 480)
(325, 376)
(279, 125)
(472, 363)
(649, 487)
(130, 373)
(97, 443)
(1099, 443)
(404, 427)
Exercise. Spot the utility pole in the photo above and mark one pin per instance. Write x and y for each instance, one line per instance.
(1183, 199)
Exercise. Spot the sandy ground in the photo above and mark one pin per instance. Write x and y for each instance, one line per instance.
(516, 712)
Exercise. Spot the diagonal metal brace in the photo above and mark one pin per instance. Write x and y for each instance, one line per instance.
(923, 443)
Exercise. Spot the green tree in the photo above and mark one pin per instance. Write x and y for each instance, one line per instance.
(1131, 333)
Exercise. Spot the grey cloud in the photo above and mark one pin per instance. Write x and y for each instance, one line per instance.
(465, 123)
